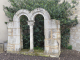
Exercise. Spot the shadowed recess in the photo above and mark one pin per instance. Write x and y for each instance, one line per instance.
(25, 32)
(39, 32)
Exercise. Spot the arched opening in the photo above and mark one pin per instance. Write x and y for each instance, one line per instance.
(39, 32)
(24, 32)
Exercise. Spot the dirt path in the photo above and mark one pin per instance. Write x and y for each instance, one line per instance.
(65, 55)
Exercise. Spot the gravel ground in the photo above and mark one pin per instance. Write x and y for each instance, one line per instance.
(65, 55)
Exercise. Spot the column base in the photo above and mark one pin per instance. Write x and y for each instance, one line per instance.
(31, 51)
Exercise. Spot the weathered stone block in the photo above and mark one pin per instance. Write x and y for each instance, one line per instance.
(54, 35)
(49, 34)
(9, 34)
(1, 47)
(58, 36)
(16, 32)
(54, 30)
(16, 19)
(5, 46)
(47, 42)
(55, 51)
(58, 26)
(16, 25)
(47, 24)
(10, 25)
(9, 30)
(11, 39)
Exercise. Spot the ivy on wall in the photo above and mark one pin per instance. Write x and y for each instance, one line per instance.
(57, 11)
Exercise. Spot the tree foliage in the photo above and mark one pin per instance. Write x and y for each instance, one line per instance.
(57, 11)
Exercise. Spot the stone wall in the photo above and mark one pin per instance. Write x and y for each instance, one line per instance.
(75, 31)
(55, 38)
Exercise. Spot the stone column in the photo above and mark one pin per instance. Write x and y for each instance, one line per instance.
(31, 23)
(31, 37)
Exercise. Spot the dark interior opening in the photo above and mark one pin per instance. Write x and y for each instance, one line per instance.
(25, 32)
(39, 32)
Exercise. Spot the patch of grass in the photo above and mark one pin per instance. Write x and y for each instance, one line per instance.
(24, 50)
(37, 52)
(38, 48)
(69, 47)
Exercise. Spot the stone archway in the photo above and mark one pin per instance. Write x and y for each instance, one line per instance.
(14, 42)
(51, 31)
(47, 19)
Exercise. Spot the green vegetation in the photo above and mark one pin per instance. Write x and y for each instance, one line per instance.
(57, 11)
(69, 47)
(36, 52)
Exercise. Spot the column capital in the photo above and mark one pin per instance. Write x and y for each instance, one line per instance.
(31, 22)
